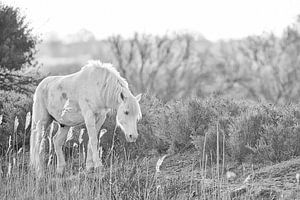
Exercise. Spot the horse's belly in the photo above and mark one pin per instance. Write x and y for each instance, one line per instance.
(71, 118)
(69, 114)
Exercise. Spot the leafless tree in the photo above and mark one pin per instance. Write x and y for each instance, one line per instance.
(263, 67)
(166, 66)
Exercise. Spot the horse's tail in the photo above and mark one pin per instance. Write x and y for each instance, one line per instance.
(36, 132)
(40, 121)
(32, 141)
(34, 145)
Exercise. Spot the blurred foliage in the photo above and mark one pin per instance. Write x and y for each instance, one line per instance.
(17, 50)
(263, 67)
(18, 82)
(17, 43)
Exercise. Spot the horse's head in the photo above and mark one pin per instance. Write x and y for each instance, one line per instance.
(128, 114)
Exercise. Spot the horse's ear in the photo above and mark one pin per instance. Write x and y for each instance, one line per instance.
(122, 96)
(138, 97)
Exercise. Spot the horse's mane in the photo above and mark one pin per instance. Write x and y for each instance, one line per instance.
(108, 67)
(112, 81)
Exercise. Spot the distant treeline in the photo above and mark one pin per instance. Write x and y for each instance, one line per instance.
(262, 67)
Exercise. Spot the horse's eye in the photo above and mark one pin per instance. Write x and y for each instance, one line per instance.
(126, 112)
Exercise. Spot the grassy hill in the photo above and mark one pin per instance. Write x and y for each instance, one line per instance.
(256, 139)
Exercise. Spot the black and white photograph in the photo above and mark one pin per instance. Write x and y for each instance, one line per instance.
(150, 100)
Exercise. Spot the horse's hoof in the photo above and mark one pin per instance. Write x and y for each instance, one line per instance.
(95, 171)
(60, 171)
(50, 161)
(90, 170)
(60, 175)
(99, 171)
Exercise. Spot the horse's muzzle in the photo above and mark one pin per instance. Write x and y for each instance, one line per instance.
(131, 138)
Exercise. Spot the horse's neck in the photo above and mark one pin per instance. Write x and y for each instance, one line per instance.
(116, 103)
(68, 81)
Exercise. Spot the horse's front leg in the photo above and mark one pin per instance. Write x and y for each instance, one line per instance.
(93, 124)
(89, 163)
(59, 140)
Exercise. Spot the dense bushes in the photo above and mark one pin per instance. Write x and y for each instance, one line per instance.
(250, 131)
(255, 132)
(13, 104)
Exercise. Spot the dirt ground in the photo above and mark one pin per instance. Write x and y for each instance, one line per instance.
(184, 171)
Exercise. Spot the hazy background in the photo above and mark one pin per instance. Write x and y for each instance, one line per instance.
(175, 49)
(213, 19)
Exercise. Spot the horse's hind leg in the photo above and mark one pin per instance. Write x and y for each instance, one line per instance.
(40, 122)
(59, 139)
(84, 152)
(89, 158)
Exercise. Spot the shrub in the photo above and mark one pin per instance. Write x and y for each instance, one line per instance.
(280, 139)
(13, 104)
(177, 132)
(265, 133)
(152, 126)
(244, 133)
(204, 118)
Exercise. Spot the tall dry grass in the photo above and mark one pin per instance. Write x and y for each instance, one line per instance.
(120, 179)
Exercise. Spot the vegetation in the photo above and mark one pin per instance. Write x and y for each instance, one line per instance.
(248, 132)
(207, 105)
(17, 50)
(17, 44)
(260, 68)
(13, 105)
(253, 132)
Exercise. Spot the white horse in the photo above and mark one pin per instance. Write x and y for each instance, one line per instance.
(83, 97)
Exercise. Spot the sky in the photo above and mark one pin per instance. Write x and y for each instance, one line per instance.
(213, 19)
